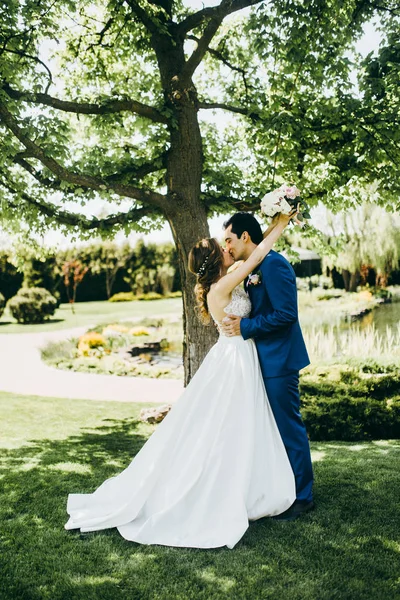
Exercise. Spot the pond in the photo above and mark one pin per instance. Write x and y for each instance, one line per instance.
(322, 318)
(376, 335)
(385, 315)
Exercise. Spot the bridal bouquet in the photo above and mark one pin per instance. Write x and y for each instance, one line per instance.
(283, 200)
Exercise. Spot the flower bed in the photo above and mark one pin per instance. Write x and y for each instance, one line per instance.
(151, 348)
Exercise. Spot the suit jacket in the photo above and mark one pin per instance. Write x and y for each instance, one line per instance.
(273, 322)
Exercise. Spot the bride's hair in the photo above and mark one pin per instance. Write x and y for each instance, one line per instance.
(205, 261)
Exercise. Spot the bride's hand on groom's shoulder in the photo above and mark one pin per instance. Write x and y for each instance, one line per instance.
(231, 325)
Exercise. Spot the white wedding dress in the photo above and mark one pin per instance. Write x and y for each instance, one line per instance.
(214, 463)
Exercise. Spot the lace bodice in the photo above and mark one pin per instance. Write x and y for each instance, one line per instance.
(239, 305)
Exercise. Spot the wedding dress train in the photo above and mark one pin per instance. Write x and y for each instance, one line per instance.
(214, 463)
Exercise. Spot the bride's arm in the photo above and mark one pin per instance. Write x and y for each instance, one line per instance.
(226, 284)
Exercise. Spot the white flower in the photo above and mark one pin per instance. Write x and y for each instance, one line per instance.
(274, 202)
(254, 279)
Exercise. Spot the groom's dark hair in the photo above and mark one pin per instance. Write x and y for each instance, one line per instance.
(243, 221)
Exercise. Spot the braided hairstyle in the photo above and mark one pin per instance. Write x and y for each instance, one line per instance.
(205, 261)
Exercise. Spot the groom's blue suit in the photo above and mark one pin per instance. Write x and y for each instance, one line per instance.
(275, 328)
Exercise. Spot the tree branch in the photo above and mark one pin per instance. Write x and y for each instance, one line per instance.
(198, 54)
(393, 11)
(87, 108)
(72, 219)
(79, 179)
(195, 20)
(249, 204)
(35, 59)
(45, 181)
(219, 56)
(215, 15)
(144, 17)
(211, 105)
(130, 172)
(138, 172)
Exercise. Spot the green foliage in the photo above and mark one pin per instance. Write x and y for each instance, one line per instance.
(108, 259)
(40, 273)
(289, 66)
(351, 419)
(32, 305)
(365, 235)
(352, 402)
(141, 269)
(10, 277)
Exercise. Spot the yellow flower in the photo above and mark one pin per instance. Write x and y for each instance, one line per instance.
(90, 340)
(139, 331)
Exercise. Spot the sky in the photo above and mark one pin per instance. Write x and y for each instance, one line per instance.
(367, 43)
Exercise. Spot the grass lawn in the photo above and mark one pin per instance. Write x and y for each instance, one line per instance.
(95, 313)
(349, 548)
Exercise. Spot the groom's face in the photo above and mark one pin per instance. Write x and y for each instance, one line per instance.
(234, 245)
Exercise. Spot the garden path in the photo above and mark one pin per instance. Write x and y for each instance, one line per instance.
(22, 371)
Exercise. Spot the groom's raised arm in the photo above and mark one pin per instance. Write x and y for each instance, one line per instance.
(280, 284)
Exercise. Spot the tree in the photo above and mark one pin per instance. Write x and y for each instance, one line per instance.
(365, 237)
(10, 278)
(40, 273)
(119, 118)
(73, 272)
(109, 258)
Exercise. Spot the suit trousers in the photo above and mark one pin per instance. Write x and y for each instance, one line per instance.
(284, 398)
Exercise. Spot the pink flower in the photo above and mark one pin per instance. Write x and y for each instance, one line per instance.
(291, 192)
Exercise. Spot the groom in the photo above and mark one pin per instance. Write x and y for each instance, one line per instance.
(275, 328)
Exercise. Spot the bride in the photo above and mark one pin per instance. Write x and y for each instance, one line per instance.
(217, 460)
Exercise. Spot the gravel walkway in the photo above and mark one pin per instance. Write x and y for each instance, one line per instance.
(22, 371)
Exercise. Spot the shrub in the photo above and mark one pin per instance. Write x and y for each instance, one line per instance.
(351, 402)
(2, 303)
(149, 296)
(55, 352)
(351, 418)
(130, 296)
(123, 297)
(32, 305)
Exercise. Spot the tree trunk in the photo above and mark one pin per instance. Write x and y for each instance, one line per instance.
(346, 279)
(108, 284)
(186, 213)
(188, 220)
(354, 279)
(197, 338)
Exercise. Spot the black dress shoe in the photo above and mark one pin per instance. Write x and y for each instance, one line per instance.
(295, 511)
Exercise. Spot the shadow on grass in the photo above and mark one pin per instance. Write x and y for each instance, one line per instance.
(349, 548)
(34, 325)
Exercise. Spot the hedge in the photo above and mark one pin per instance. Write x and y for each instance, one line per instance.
(347, 403)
